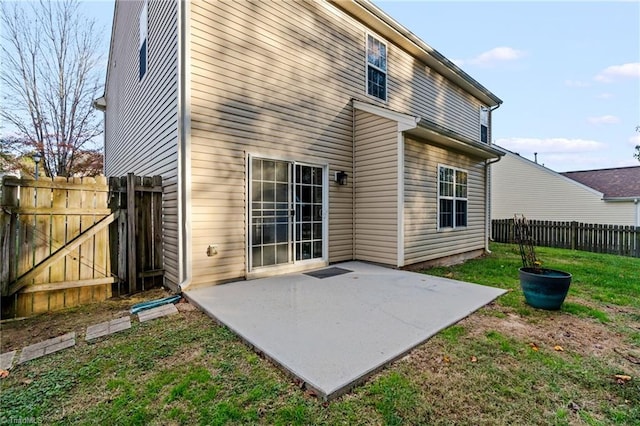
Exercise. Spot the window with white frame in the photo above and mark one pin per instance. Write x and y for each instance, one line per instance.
(484, 124)
(376, 68)
(452, 197)
(142, 45)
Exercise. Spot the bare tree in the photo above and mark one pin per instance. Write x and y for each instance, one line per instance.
(50, 77)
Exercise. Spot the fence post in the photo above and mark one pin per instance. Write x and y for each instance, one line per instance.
(574, 235)
(8, 268)
(131, 232)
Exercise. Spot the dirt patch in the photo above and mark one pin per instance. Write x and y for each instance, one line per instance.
(19, 333)
(583, 336)
(556, 331)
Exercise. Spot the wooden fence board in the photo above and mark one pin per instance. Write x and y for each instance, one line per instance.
(59, 231)
(72, 262)
(597, 238)
(53, 255)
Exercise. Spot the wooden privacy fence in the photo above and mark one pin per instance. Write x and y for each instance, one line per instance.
(63, 241)
(612, 239)
(136, 237)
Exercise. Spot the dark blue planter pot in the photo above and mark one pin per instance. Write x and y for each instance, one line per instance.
(545, 289)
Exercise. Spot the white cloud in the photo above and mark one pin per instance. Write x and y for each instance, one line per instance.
(576, 83)
(604, 119)
(605, 96)
(497, 55)
(615, 72)
(634, 140)
(550, 145)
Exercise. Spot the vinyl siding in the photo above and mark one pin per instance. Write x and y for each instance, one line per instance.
(521, 186)
(260, 87)
(141, 124)
(423, 240)
(376, 180)
(275, 80)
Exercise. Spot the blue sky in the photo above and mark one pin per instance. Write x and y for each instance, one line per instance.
(568, 72)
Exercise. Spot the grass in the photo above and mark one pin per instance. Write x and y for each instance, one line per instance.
(499, 366)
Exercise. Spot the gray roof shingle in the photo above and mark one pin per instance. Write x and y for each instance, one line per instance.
(613, 183)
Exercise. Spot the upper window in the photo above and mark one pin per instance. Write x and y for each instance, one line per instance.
(376, 68)
(484, 124)
(452, 197)
(142, 47)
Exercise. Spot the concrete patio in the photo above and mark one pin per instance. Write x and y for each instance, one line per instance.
(334, 331)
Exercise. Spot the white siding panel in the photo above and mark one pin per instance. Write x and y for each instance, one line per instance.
(423, 240)
(523, 187)
(141, 126)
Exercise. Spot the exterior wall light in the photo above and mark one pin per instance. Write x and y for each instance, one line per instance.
(341, 178)
(36, 158)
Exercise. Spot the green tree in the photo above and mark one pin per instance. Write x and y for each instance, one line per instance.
(49, 78)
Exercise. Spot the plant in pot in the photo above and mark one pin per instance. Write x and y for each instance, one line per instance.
(543, 288)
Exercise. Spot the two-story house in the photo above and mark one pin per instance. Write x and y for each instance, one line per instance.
(294, 134)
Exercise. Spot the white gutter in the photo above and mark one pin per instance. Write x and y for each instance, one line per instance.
(184, 148)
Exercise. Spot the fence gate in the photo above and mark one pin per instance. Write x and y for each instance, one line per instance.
(61, 241)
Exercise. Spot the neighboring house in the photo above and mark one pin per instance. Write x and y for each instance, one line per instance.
(294, 134)
(607, 196)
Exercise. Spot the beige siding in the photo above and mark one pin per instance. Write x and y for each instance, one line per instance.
(414, 89)
(260, 87)
(141, 124)
(376, 189)
(423, 240)
(275, 79)
(521, 186)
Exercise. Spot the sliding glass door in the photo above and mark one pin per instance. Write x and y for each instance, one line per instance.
(286, 212)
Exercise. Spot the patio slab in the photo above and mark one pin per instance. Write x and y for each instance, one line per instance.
(334, 332)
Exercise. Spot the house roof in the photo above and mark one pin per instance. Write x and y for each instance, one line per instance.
(386, 26)
(622, 182)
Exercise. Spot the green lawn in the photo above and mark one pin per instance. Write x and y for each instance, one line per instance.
(505, 364)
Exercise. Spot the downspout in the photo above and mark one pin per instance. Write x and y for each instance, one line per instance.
(635, 201)
(353, 181)
(487, 189)
(184, 149)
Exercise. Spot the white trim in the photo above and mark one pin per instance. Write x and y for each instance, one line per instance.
(453, 198)
(185, 245)
(326, 208)
(247, 205)
(400, 200)
(405, 121)
(381, 40)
